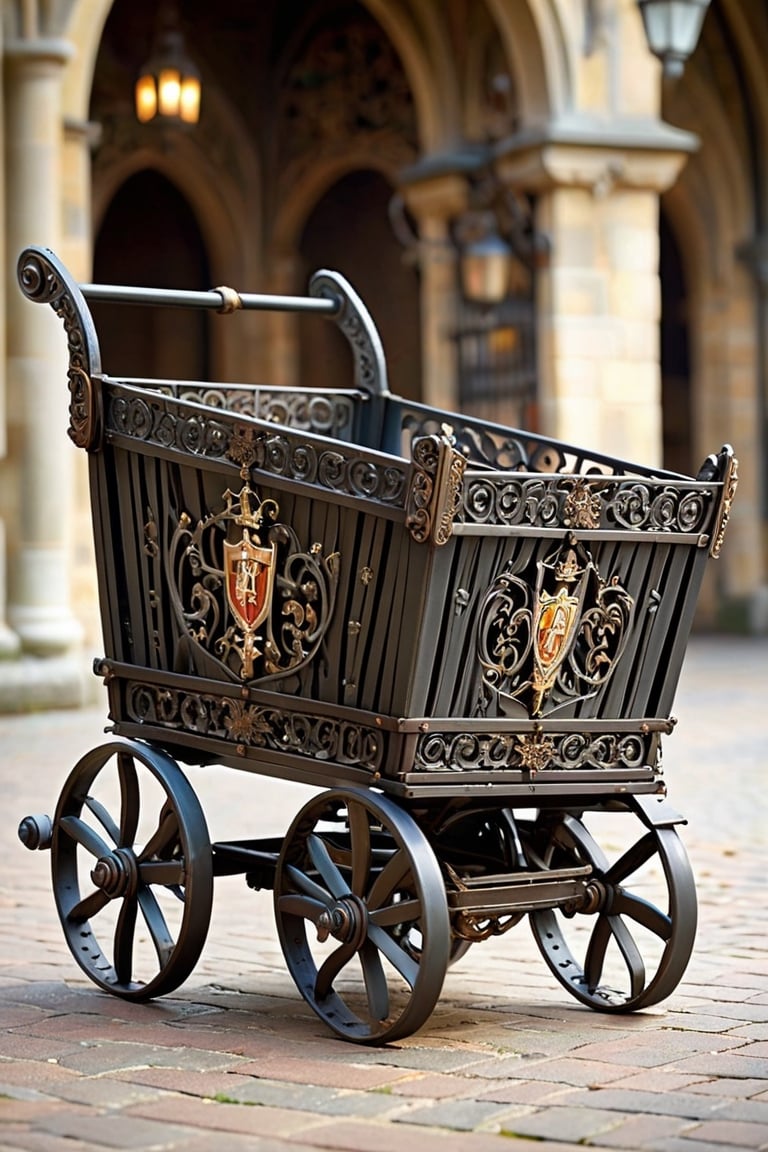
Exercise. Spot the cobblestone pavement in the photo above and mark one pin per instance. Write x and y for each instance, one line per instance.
(235, 1059)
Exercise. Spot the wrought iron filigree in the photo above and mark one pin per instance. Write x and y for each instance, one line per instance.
(661, 508)
(324, 414)
(222, 572)
(534, 752)
(296, 731)
(577, 502)
(552, 634)
(172, 425)
(45, 281)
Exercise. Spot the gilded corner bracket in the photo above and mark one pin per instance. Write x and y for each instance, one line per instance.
(435, 488)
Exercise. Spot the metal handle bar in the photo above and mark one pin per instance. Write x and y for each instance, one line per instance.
(219, 299)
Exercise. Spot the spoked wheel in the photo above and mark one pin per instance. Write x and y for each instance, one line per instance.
(362, 915)
(132, 870)
(628, 946)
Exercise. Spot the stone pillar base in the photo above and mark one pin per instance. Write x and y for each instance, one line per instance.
(30, 684)
(10, 645)
(45, 631)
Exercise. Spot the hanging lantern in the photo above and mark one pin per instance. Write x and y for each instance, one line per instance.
(484, 260)
(672, 29)
(168, 86)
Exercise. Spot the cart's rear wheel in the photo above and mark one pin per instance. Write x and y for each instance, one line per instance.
(362, 915)
(132, 870)
(629, 946)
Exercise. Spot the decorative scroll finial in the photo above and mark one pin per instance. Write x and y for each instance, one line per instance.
(44, 280)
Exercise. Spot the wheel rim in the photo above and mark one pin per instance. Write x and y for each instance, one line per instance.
(356, 881)
(629, 947)
(132, 870)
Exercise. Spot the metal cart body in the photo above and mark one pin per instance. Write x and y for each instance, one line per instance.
(469, 635)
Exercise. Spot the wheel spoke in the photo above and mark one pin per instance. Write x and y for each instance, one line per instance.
(360, 840)
(84, 835)
(405, 964)
(572, 833)
(640, 853)
(104, 818)
(595, 957)
(630, 952)
(375, 982)
(125, 931)
(87, 907)
(158, 929)
(331, 968)
(646, 914)
(401, 912)
(307, 885)
(320, 857)
(130, 801)
(167, 873)
(294, 904)
(163, 837)
(389, 880)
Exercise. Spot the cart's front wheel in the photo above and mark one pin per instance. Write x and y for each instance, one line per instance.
(132, 870)
(362, 915)
(629, 944)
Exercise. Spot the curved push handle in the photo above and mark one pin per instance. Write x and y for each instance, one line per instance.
(44, 280)
(356, 322)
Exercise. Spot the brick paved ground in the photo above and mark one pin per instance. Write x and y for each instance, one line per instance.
(234, 1059)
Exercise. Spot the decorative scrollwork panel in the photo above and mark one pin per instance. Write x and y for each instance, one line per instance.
(533, 752)
(245, 591)
(553, 633)
(298, 732)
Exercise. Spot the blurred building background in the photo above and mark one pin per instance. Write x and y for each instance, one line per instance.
(374, 137)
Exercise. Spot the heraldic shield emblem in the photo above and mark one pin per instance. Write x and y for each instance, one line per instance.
(225, 570)
(553, 636)
(555, 617)
(249, 569)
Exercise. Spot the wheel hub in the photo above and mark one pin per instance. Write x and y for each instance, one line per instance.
(346, 921)
(594, 898)
(116, 874)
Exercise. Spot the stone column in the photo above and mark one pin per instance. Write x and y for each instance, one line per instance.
(599, 299)
(434, 201)
(76, 253)
(39, 607)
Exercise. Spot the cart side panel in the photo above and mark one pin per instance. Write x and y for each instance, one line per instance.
(478, 655)
(186, 512)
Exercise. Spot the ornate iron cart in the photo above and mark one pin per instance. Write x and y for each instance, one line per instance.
(468, 636)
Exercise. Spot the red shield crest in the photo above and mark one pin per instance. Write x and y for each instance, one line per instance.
(250, 574)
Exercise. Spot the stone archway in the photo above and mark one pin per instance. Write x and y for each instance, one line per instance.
(348, 231)
(152, 342)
